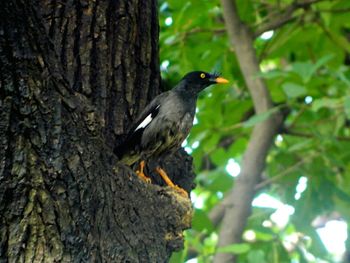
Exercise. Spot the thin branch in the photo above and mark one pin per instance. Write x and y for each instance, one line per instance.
(334, 39)
(310, 135)
(285, 172)
(217, 213)
(185, 34)
(286, 16)
(205, 30)
(298, 115)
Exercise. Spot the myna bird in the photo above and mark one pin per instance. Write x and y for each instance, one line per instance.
(165, 123)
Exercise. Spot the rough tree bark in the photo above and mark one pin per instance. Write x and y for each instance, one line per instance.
(73, 75)
(236, 207)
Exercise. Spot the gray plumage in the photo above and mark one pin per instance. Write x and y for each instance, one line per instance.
(165, 123)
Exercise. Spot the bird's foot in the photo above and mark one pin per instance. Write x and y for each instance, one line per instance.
(141, 174)
(180, 190)
(167, 180)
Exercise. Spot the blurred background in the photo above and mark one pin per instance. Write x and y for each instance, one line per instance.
(302, 204)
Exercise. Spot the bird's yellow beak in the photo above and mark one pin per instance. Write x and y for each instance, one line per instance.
(221, 80)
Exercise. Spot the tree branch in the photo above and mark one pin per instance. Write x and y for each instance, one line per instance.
(310, 135)
(285, 172)
(276, 21)
(237, 205)
(284, 18)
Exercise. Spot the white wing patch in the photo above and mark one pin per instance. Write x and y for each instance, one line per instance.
(147, 120)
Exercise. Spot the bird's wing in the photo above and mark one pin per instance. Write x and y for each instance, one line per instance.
(133, 139)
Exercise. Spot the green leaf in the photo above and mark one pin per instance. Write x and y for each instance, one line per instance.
(325, 103)
(263, 236)
(322, 61)
(219, 157)
(246, 10)
(272, 74)
(223, 182)
(177, 257)
(259, 118)
(300, 145)
(237, 147)
(341, 40)
(347, 106)
(339, 123)
(293, 90)
(343, 77)
(256, 256)
(210, 142)
(235, 248)
(304, 70)
(201, 221)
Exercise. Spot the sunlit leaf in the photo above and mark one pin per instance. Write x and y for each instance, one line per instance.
(264, 236)
(235, 248)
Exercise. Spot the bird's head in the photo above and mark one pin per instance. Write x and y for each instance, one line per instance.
(199, 80)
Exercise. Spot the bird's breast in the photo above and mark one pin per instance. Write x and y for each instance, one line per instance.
(170, 127)
(186, 124)
(175, 133)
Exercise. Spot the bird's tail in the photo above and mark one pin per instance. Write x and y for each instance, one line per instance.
(128, 158)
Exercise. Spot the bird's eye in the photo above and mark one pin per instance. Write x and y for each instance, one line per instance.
(202, 75)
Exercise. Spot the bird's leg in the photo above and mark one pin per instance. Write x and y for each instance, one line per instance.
(167, 180)
(141, 174)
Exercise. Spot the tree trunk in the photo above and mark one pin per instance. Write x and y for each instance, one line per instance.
(236, 207)
(73, 76)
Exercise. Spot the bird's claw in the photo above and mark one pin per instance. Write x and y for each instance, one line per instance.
(143, 177)
(141, 174)
(147, 180)
(181, 191)
(167, 180)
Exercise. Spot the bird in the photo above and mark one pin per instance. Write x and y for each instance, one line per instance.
(164, 124)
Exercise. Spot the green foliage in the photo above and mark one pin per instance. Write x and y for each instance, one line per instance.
(305, 65)
(255, 119)
(235, 249)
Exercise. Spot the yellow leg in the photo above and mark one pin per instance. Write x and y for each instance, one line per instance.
(141, 174)
(167, 180)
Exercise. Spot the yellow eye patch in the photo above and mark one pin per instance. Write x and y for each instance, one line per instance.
(202, 75)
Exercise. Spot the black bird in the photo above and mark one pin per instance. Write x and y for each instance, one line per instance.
(165, 123)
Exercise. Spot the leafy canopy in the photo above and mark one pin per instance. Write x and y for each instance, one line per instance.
(305, 63)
